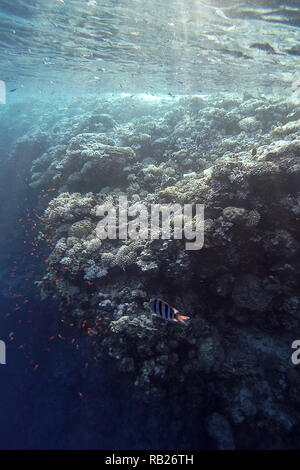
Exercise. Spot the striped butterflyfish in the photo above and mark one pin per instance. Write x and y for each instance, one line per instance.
(162, 309)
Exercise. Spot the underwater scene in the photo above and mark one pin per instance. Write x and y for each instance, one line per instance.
(150, 224)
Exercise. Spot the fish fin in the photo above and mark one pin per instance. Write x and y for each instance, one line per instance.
(183, 318)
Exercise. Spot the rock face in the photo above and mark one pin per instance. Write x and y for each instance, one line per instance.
(220, 430)
(249, 292)
(241, 290)
(86, 164)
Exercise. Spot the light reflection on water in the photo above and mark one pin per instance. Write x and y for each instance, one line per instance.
(176, 46)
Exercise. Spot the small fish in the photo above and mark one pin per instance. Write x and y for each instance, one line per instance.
(163, 310)
(14, 89)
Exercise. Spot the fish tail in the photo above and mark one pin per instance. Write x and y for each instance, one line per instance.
(182, 318)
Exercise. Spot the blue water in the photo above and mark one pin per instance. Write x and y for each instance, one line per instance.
(56, 57)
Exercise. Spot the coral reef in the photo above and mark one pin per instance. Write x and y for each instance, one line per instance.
(241, 289)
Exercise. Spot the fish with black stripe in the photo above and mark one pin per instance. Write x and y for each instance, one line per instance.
(162, 309)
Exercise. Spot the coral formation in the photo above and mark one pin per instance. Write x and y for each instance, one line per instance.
(241, 289)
